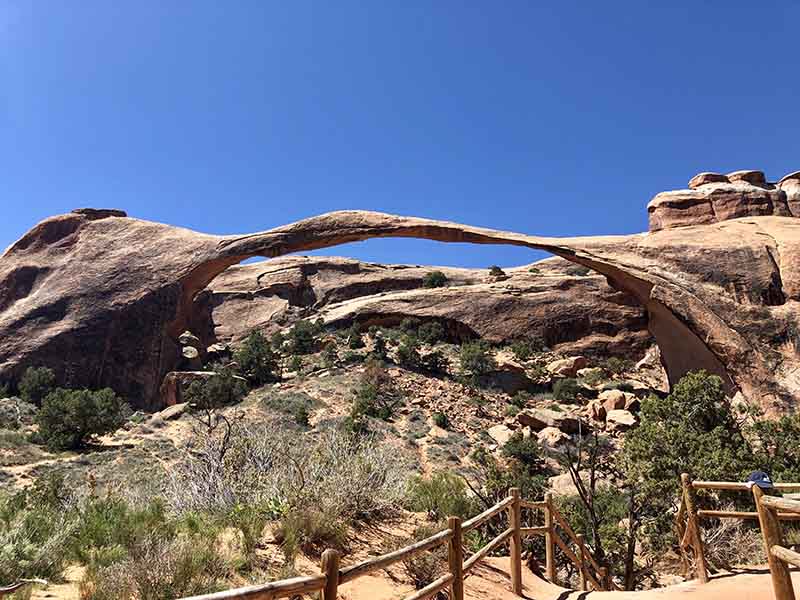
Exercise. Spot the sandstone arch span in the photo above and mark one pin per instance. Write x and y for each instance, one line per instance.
(101, 297)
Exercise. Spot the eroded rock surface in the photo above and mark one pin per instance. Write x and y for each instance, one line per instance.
(103, 298)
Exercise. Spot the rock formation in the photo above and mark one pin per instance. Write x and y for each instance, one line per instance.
(103, 298)
(568, 312)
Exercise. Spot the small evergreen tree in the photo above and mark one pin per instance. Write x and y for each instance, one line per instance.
(69, 419)
(256, 359)
(434, 279)
(36, 383)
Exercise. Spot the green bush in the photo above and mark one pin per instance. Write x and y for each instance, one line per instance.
(523, 449)
(434, 279)
(475, 359)
(303, 337)
(35, 527)
(69, 419)
(566, 390)
(496, 271)
(256, 359)
(296, 364)
(421, 569)
(435, 362)
(375, 395)
(441, 420)
(354, 338)
(222, 389)
(578, 271)
(442, 495)
(528, 348)
(408, 353)
(36, 383)
(276, 340)
(311, 532)
(431, 332)
(295, 404)
(329, 356)
(521, 399)
(617, 366)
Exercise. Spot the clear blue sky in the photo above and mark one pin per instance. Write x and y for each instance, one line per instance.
(554, 118)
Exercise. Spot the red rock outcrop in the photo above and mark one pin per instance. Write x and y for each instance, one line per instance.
(571, 313)
(102, 298)
(713, 197)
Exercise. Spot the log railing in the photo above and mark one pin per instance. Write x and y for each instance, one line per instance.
(778, 556)
(688, 519)
(331, 576)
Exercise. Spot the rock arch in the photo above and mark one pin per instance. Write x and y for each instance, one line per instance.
(126, 287)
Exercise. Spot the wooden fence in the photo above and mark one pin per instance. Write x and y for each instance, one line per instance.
(778, 555)
(332, 575)
(688, 519)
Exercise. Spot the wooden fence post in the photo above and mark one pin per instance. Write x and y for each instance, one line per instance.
(549, 540)
(330, 568)
(697, 537)
(605, 579)
(456, 558)
(515, 523)
(772, 534)
(582, 559)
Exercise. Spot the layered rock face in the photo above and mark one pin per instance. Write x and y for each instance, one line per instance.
(569, 311)
(713, 197)
(103, 298)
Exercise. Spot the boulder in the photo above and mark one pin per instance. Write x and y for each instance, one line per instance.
(706, 177)
(539, 418)
(187, 338)
(567, 367)
(174, 411)
(176, 383)
(597, 411)
(500, 434)
(748, 176)
(552, 438)
(620, 420)
(509, 377)
(612, 400)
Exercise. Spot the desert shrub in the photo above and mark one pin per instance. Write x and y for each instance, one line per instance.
(496, 271)
(434, 279)
(295, 404)
(36, 525)
(475, 359)
(347, 477)
(441, 420)
(578, 271)
(222, 389)
(375, 395)
(495, 478)
(16, 413)
(329, 356)
(421, 569)
(352, 358)
(511, 410)
(523, 449)
(435, 362)
(690, 431)
(593, 377)
(442, 495)
(776, 445)
(520, 399)
(5, 390)
(354, 338)
(730, 542)
(566, 390)
(109, 526)
(296, 364)
(276, 340)
(256, 359)
(534, 270)
(69, 419)
(36, 383)
(408, 352)
(158, 568)
(617, 366)
(310, 532)
(623, 386)
(431, 332)
(379, 349)
(527, 348)
(303, 337)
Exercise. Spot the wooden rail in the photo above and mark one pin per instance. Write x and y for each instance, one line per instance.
(687, 520)
(331, 576)
(777, 554)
